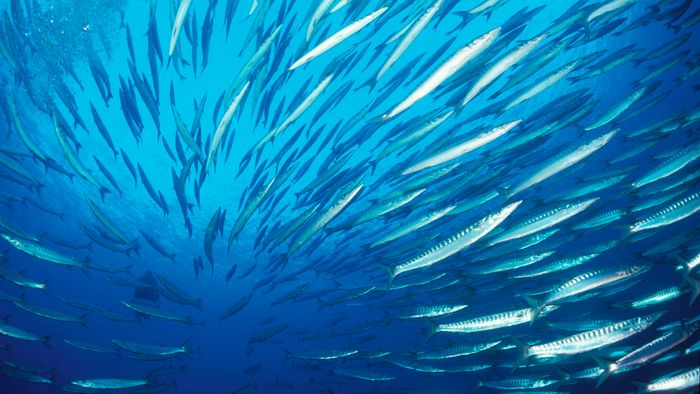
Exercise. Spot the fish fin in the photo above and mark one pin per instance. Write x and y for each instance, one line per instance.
(84, 321)
(605, 365)
(694, 286)
(431, 330)
(172, 258)
(103, 191)
(523, 353)
(46, 340)
(534, 303)
(390, 270)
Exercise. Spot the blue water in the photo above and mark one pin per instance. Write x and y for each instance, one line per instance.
(311, 300)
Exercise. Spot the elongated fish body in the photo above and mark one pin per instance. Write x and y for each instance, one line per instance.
(75, 161)
(295, 114)
(43, 253)
(455, 243)
(543, 221)
(491, 322)
(177, 24)
(152, 350)
(22, 132)
(108, 224)
(338, 37)
(457, 351)
(611, 6)
(463, 148)
(325, 354)
(223, 124)
(618, 109)
(248, 211)
(50, 314)
(689, 379)
(319, 223)
(110, 383)
(588, 281)
(501, 67)
(555, 266)
(446, 70)
(318, 14)
(514, 263)
(650, 351)
(519, 383)
(601, 220)
(364, 375)
(156, 312)
(564, 161)
(410, 36)
(433, 311)
(413, 136)
(670, 166)
(18, 333)
(675, 212)
(594, 339)
(659, 297)
(413, 226)
(541, 86)
(388, 206)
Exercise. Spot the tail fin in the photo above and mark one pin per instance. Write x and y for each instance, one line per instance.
(523, 351)
(535, 306)
(172, 257)
(605, 365)
(390, 270)
(694, 284)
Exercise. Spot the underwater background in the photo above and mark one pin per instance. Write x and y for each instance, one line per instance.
(302, 196)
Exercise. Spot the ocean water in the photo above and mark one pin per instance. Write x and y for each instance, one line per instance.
(320, 161)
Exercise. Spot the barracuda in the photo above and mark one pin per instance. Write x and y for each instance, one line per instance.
(410, 36)
(462, 148)
(446, 70)
(501, 67)
(675, 382)
(515, 263)
(434, 311)
(648, 352)
(490, 322)
(556, 266)
(673, 213)
(671, 165)
(583, 283)
(151, 350)
(109, 383)
(564, 161)
(601, 220)
(413, 226)
(543, 221)
(457, 351)
(43, 253)
(591, 340)
(315, 226)
(453, 244)
(337, 38)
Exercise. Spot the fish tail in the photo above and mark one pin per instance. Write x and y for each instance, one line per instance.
(84, 321)
(523, 351)
(535, 306)
(46, 340)
(390, 270)
(694, 285)
(605, 365)
(172, 257)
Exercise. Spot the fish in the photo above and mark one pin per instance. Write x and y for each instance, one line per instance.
(453, 244)
(337, 38)
(447, 69)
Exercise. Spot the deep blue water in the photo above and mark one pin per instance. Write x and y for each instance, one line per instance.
(332, 294)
